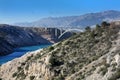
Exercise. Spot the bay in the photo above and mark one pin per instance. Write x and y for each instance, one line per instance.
(18, 52)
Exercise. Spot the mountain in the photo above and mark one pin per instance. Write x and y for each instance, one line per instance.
(5, 47)
(75, 21)
(90, 55)
(14, 36)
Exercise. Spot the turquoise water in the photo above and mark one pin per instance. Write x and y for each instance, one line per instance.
(18, 52)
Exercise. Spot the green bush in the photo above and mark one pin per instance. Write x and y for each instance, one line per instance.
(88, 28)
(92, 35)
(28, 58)
(104, 24)
(51, 48)
(54, 62)
(103, 70)
(19, 68)
(22, 64)
(27, 66)
(32, 77)
(116, 75)
(14, 74)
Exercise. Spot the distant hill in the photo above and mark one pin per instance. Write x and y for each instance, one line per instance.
(75, 21)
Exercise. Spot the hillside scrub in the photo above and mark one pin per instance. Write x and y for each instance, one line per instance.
(75, 58)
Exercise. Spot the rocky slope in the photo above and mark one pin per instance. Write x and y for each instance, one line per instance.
(75, 21)
(90, 55)
(5, 47)
(14, 36)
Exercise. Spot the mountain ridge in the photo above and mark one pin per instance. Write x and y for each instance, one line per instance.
(81, 21)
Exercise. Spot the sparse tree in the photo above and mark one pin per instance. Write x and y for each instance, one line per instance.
(104, 24)
(88, 28)
(97, 26)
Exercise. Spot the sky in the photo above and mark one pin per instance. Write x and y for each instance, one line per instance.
(13, 11)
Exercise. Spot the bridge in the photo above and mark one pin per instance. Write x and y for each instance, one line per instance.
(57, 34)
(69, 30)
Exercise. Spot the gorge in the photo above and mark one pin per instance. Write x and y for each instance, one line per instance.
(14, 36)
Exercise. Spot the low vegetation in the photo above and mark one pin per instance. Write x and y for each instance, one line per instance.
(32, 77)
(79, 56)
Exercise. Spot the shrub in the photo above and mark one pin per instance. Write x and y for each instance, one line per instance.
(98, 26)
(19, 68)
(51, 48)
(28, 58)
(81, 77)
(27, 66)
(116, 75)
(107, 65)
(32, 77)
(103, 70)
(21, 74)
(14, 74)
(67, 43)
(22, 64)
(104, 24)
(92, 35)
(54, 62)
(88, 28)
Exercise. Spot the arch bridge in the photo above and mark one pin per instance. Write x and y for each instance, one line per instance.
(70, 30)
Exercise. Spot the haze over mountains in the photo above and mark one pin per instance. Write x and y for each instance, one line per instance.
(75, 21)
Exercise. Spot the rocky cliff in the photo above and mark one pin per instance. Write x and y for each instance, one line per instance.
(14, 36)
(90, 55)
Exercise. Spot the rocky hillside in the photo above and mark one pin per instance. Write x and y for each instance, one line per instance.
(5, 47)
(14, 36)
(75, 21)
(90, 55)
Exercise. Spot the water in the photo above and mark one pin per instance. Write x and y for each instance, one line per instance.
(18, 52)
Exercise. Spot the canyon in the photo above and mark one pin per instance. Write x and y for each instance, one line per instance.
(14, 36)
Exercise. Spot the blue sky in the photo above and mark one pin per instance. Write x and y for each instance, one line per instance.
(12, 11)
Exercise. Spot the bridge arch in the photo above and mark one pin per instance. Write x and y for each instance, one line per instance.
(70, 30)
